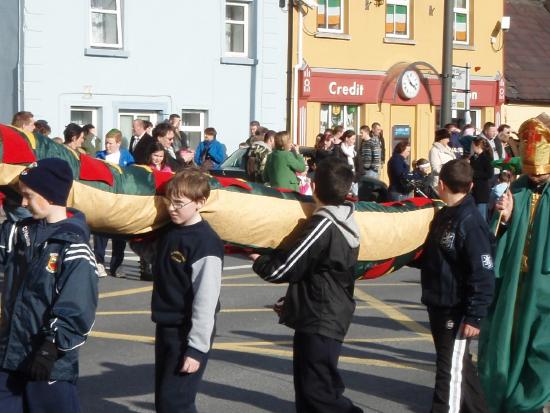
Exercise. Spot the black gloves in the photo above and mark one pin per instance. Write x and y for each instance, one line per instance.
(42, 362)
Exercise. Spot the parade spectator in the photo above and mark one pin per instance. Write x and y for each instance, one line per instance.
(419, 179)
(139, 135)
(320, 272)
(440, 154)
(458, 280)
(480, 161)
(253, 131)
(337, 133)
(377, 133)
(283, 163)
(164, 134)
(514, 355)
(180, 138)
(454, 142)
(398, 168)
(49, 297)
(466, 138)
(114, 154)
(489, 133)
(259, 152)
(157, 158)
(74, 137)
(186, 293)
(504, 181)
(509, 145)
(346, 151)
(24, 121)
(91, 144)
(210, 153)
(325, 147)
(148, 125)
(371, 153)
(42, 127)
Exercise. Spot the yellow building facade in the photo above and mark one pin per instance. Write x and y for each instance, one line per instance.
(379, 61)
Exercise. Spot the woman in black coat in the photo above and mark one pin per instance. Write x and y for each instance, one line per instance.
(482, 156)
(398, 168)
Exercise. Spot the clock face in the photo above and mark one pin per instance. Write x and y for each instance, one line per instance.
(410, 85)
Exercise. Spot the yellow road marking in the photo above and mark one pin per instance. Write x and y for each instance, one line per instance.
(258, 347)
(127, 292)
(391, 312)
(240, 276)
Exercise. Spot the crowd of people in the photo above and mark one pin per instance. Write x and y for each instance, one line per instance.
(50, 288)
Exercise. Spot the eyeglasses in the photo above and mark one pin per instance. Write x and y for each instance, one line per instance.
(178, 205)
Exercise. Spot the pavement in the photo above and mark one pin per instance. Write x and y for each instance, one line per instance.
(387, 360)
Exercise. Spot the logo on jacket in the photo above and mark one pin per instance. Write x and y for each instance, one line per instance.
(448, 240)
(26, 235)
(51, 266)
(177, 257)
(487, 262)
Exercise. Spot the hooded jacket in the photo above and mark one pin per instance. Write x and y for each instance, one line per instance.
(320, 270)
(49, 292)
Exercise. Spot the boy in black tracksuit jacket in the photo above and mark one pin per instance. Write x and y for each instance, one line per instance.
(319, 304)
(457, 287)
(186, 293)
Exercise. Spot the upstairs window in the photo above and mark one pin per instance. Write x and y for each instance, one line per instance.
(330, 16)
(236, 29)
(397, 18)
(105, 24)
(461, 21)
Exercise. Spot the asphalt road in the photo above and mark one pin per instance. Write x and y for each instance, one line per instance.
(387, 362)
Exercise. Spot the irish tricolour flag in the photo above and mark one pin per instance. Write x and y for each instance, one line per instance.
(328, 14)
(461, 27)
(396, 19)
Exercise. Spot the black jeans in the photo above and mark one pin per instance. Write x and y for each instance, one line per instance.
(117, 253)
(175, 392)
(317, 382)
(457, 386)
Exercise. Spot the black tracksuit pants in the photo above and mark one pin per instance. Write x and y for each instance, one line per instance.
(457, 386)
(317, 382)
(175, 392)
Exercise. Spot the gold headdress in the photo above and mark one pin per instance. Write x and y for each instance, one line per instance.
(534, 137)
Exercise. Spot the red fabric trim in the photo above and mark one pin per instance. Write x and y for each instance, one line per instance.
(16, 148)
(419, 202)
(161, 179)
(285, 190)
(233, 249)
(225, 182)
(92, 169)
(379, 270)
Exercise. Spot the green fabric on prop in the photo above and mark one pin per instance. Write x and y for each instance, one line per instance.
(513, 164)
(514, 345)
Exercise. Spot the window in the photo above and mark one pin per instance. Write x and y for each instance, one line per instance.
(461, 21)
(333, 115)
(397, 18)
(236, 29)
(193, 123)
(105, 24)
(330, 15)
(83, 115)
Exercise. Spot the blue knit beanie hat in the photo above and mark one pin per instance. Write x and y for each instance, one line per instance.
(52, 178)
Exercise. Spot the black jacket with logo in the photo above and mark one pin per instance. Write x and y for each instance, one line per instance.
(49, 292)
(320, 270)
(457, 269)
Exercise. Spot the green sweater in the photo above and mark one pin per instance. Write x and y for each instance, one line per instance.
(281, 167)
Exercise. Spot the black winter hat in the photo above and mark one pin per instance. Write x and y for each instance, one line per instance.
(51, 177)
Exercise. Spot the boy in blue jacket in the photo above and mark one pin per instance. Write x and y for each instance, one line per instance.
(49, 295)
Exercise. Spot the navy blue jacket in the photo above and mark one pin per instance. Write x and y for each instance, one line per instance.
(456, 265)
(398, 168)
(49, 292)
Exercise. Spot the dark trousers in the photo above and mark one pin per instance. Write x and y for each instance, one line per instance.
(175, 392)
(17, 395)
(117, 254)
(457, 386)
(317, 382)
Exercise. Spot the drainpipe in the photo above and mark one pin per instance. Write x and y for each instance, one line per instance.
(19, 56)
(447, 75)
(297, 67)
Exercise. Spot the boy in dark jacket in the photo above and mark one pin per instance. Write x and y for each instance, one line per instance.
(319, 304)
(49, 295)
(457, 287)
(186, 293)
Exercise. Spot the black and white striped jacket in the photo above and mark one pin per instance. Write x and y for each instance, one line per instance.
(49, 291)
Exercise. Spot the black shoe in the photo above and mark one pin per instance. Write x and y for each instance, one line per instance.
(146, 276)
